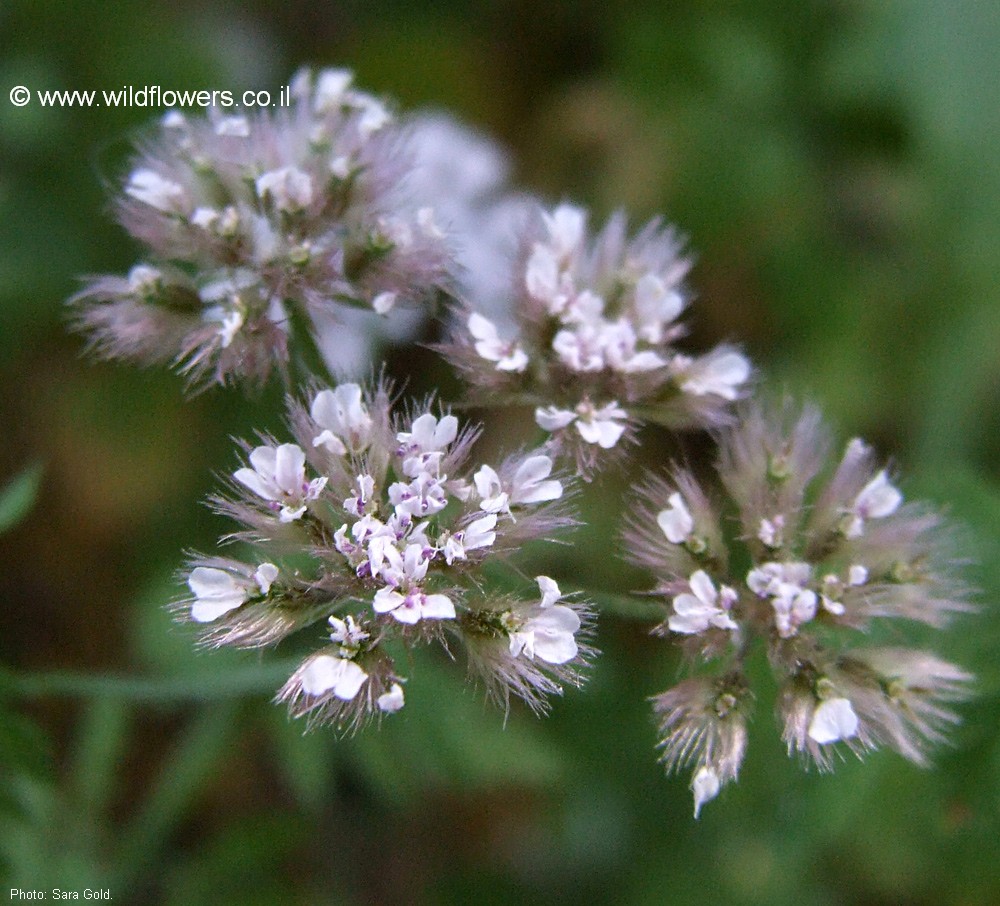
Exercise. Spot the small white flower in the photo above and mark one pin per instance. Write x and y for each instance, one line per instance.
(216, 592)
(405, 571)
(547, 633)
(566, 226)
(232, 321)
(676, 521)
(383, 303)
(531, 482)
(345, 421)
(603, 426)
(424, 444)
(150, 188)
(857, 574)
(374, 116)
(428, 225)
(771, 531)
(391, 701)
(331, 88)
(143, 279)
(549, 589)
(705, 787)
(832, 721)
(325, 673)
(509, 356)
(720, 373)
(265, 575)
(289, 189)
(552, 418)
(236, 126)
(347, 633)
(703, 606)
(655, 307)
(278, 475)
(876, 500)
(784, 584)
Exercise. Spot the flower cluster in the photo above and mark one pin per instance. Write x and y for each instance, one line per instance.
(379, 527)
(252, 219)
(594, 349)
(820, 556)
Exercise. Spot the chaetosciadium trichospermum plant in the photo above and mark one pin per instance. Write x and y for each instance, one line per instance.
(333, 225)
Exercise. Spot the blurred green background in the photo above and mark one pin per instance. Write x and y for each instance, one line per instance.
(836, 166)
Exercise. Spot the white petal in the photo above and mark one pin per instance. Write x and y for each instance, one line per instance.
(552, 419)
(603, 433)
(703, 587)
(705, 787)
(321, 674)
(833, 720)
(878, 498)
(676, 522)
(289, 469)
(549, 589)
(857, 575)
(265, 575)
(351, 679)
(386, 599)
(438, 607)
(206, 610)
(391, 701)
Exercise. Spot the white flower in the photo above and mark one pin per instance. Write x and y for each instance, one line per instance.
(509, 356)
(548, 629)
(331, 87)
(566, 225)
(150, 188)
(771, 531)
(236, 126)
(391, 701)
(784, 584)
(279, 475)
(424, 444)
(424, 496)
(324, 673)
(264, 575)
(703, 606)
(383, 303)
(580, 349)
(288, 188)
(552, 418)
(357, 503)
(217, 591)
(374, 116)
(857, 574)
(705, 787)
(345, 421)
(549, 589)
(530, 484)
(347, 632)
(143, 279)
(603, 426)
(477, 534)
(232, 321)
(833, 720)
(721, 373)
(655, 307)
(676, 521)
(876, 500)
(405, 571)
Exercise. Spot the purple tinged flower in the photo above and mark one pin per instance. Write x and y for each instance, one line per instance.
(547, 630)
(278, 475)
(217, 591)
(703, 607)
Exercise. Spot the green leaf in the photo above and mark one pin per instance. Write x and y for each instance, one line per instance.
(19, 495)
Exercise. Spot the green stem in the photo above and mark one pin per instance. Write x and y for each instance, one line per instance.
(239, 682)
